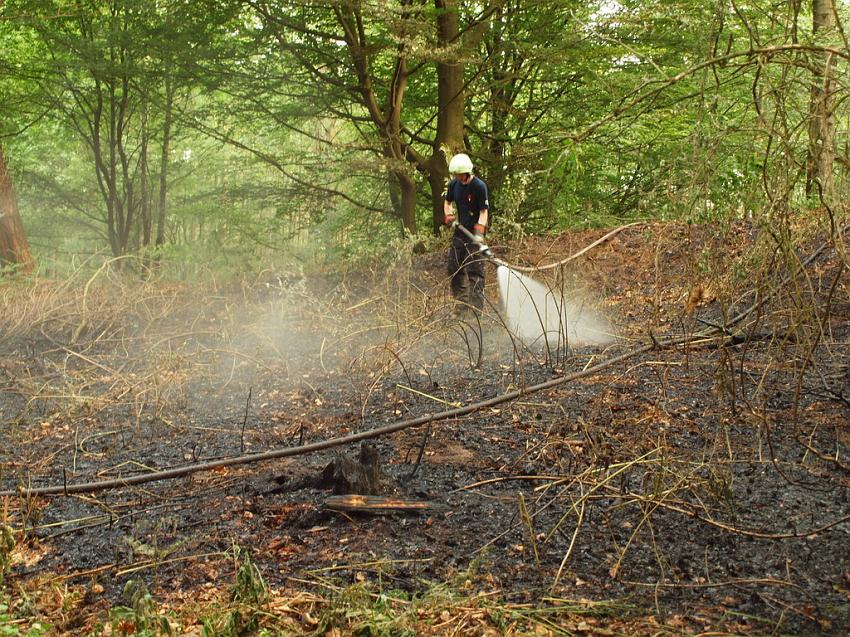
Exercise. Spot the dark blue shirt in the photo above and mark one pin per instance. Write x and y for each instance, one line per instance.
(470, 200)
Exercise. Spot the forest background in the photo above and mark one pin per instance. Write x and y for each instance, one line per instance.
(226, 135)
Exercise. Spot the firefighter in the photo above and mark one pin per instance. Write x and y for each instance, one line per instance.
(467, 202)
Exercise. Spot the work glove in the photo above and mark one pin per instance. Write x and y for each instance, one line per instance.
(448, 219)
(478, 233)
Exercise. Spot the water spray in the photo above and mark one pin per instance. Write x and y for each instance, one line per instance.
(539, 315)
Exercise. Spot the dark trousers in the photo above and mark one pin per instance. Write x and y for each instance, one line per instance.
(466, 268)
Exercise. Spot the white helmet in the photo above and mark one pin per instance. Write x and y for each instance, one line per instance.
(460, 163)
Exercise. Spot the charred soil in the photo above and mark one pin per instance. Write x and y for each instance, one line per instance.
(700, 484)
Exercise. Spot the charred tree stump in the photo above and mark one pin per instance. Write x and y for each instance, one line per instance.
(362, 475)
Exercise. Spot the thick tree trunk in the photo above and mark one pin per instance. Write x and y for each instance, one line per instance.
(386, 115)
(450, 105)
(821, 156)
(407, 187)
(14, 247)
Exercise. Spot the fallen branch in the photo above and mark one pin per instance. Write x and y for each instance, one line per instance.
(274, 454)
(378, 505)
(601, 240)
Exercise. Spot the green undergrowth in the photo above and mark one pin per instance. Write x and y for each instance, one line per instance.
(470, 603)
(11, 626)
(364, 609)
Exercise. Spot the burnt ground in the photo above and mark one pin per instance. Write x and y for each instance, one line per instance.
(698, 487)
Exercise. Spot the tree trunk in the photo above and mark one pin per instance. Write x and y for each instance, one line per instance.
(144, 195)
(386, 117)
(501, 98)
(163, 164)
(407, 187)
(14, 248)
(450, 106)
(821, 155)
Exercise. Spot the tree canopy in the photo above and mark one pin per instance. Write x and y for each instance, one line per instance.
(323, 125)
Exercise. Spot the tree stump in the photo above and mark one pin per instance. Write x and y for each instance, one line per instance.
(362, 475)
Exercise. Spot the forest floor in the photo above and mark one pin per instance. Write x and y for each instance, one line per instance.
(695, 487)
